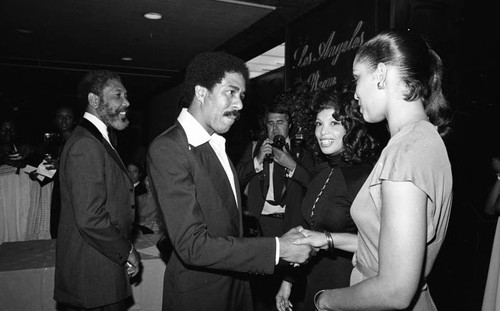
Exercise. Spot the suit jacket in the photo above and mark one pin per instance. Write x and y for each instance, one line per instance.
(97, 198)
(210, 260)
(258, 184)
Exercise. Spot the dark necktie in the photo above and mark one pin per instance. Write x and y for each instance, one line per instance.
(279, 183)
(112, 137)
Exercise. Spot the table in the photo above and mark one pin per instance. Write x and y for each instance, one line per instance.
(24, 206)
(27, 277)
(491, 298)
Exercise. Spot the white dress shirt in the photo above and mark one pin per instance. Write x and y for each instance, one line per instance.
(269, 209)
(103, 129)
(197, 136)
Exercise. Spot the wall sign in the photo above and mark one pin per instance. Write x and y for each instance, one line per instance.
(320, 47)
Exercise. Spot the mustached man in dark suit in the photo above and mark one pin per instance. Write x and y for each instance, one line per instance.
(97, 205)
(197, 189)
(275, 180)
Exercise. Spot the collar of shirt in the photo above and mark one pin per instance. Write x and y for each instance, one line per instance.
(103, 129)
(197, 136)
(195, 133)
(218, 141)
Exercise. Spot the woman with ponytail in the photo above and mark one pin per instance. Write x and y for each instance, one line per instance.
(402, 210)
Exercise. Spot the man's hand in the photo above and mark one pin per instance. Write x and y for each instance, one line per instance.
(264, 150)
(51, 164)
(314, 238)
(294, 253)
(284, 159)
(133, 263)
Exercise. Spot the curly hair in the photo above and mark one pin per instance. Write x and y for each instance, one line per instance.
(94, 82)
(359, 144)
(209, 68)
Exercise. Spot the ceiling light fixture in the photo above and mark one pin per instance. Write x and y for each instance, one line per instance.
(255, 5)
(25, 31)
(153, 15)
(126, 58)
(267, 61)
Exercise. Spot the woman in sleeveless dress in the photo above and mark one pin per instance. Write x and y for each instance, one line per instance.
(402, 210)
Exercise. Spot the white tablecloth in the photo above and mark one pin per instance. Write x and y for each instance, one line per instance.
(24, 206)
(27, 278)
(491, 299)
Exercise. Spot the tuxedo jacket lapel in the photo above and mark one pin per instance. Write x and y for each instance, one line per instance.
(238, 195)
(219, 178)
(94, 131)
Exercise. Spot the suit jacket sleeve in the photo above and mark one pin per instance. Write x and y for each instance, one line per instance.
(199, 228)
(245, 167)
(87, 186)
(305, 165)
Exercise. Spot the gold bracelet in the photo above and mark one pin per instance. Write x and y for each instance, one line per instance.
(329, 240)
(316, 297)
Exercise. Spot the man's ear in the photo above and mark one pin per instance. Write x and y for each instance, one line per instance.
(200, 92)
(93, 100)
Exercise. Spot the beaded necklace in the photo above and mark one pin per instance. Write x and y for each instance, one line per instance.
(319, 195)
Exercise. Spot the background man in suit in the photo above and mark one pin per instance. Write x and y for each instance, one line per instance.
(197, 189)
(275, 182)
(97, 201)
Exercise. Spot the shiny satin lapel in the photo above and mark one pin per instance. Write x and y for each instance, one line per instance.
(216, 172)
(238, 195)
(94, 131)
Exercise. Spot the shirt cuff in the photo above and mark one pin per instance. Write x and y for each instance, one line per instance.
(277, 258)
(258, 166)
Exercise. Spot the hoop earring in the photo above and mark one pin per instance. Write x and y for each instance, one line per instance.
(380, 85)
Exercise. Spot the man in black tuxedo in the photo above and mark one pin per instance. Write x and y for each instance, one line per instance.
(94, 257)
(275, 181)
(197, 189)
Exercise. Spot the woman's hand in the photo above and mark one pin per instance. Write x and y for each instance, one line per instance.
(282, 297)
(314, 238)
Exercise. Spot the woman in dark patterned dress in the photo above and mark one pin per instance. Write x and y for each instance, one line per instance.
(347, 148)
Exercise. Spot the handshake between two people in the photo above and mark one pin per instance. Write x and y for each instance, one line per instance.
(299, 244)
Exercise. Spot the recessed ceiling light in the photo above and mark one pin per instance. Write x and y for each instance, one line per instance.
(25, 31)
(127, 58)
(153, 15)
(255, 5)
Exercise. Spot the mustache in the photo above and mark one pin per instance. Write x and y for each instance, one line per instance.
(232, 113)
